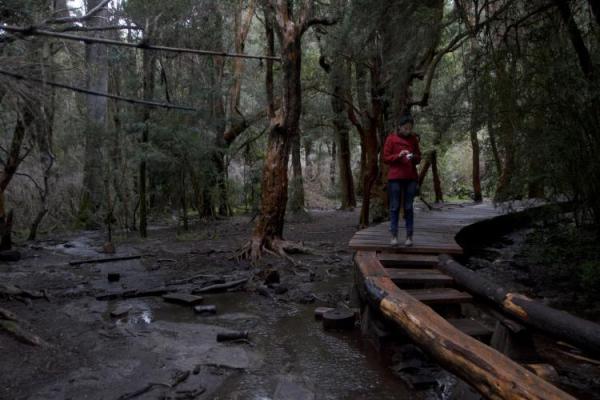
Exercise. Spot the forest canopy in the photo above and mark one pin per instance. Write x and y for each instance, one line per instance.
(117, 113)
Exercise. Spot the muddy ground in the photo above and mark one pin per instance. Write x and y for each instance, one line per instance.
(162, 350)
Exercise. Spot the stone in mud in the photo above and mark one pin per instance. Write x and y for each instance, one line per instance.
(339, 319)
(10, 256)
(183, 299)
(271, 277)
(229, 336)
(206, 310)
(280, 289)
(114, 276)
(287, 389)
(424, 379)
(120, 311)
(319, 311)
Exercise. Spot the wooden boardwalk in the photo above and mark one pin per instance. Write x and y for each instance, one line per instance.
(434, 230)
(404, 285)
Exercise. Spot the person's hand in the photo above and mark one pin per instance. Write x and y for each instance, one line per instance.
(403, 153)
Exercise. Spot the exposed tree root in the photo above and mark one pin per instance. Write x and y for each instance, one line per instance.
(257, 246)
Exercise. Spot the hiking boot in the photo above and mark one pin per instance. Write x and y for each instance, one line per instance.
(408, 242)
(394, 241)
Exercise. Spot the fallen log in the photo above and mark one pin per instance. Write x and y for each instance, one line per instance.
(220, 287)
(491, 373)
(559, 324)
(103, 260)
(13, 329)
(14, 291)
(8, 315)
(133, 293)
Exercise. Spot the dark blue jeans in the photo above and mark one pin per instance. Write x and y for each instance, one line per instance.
(402, 189)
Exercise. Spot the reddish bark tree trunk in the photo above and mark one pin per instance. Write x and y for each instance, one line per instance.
(268, 231)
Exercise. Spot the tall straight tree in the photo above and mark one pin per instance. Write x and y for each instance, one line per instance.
(339, 72)
(289, 24)
(148, 75)
(96, 56)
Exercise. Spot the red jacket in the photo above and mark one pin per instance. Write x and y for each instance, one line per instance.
(402, 168)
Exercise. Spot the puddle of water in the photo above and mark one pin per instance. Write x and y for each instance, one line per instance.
(332, 365)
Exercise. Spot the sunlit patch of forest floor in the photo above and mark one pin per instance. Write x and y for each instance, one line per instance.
(151, 348)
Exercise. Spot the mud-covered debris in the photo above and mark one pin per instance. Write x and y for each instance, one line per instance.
(229, 336)
(288, 389)
(8, 315)
(319, 311)
(120, 311)
(14, 329)
(183, 299)
(114, 276)
(208, 309)
(220, 287)
(339, 319)
(10, 256)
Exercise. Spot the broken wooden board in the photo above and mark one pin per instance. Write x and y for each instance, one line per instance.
(183, 299)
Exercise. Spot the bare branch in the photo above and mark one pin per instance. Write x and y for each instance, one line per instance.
(76, 28)
(32, 31)
(90, 14)
(99, 94)
(37, 186)
(454, 44)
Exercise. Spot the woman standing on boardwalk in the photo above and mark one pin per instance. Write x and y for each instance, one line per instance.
(401, 151)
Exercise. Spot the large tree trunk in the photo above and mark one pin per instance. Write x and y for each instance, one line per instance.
(219, 117)
(96, 56)
(268, 231)
(367, 126)
(339, 80)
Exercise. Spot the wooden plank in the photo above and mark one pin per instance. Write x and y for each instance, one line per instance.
(407, 260)
(440, 296)
(421, 249)
(418, 277)
(472, 328)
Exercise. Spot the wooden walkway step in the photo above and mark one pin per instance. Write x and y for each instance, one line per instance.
(422, 248)
(408, 260)
(402, 277)
(472, 328)
(440, 296)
